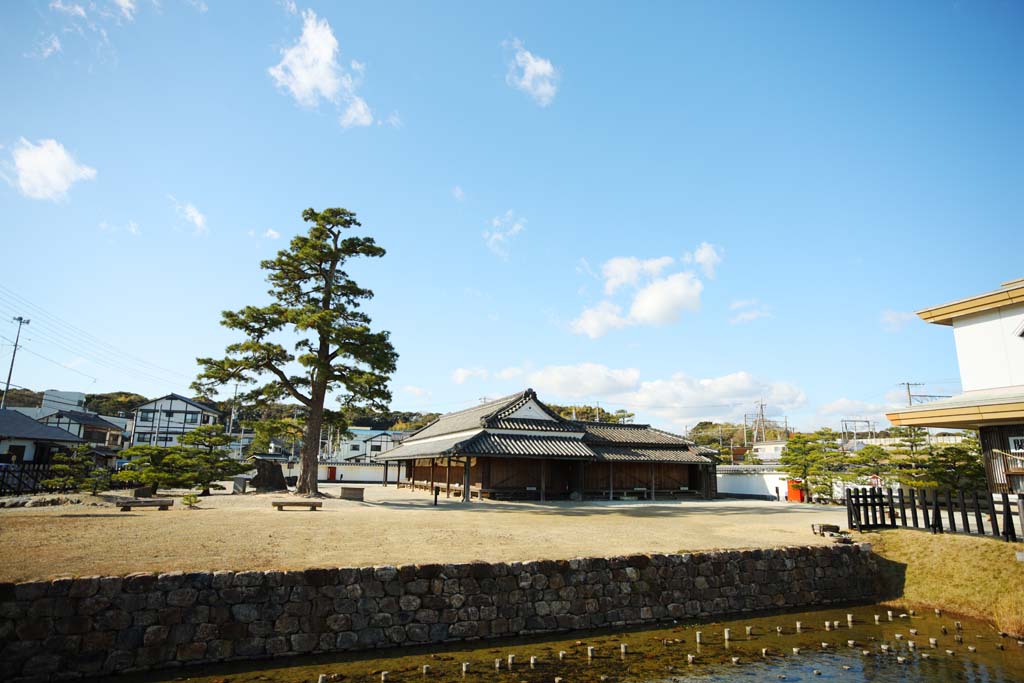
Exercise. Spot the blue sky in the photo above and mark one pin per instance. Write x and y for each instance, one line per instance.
(675, 208)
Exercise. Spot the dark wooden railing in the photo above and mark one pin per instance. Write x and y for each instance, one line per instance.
(976, 512)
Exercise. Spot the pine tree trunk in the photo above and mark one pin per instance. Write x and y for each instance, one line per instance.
(307, 484)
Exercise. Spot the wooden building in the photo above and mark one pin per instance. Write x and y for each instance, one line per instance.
(517, 448)
(989, 333)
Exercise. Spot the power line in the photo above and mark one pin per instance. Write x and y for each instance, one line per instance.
(46, 358)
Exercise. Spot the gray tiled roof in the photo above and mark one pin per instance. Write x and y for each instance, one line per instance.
(462, 420)
(89, 419)
(425, 448)
(641, 454)
(532, 425)
(15, 425)
(558, 447)
(610, 432)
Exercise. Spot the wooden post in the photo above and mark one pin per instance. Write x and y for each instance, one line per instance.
(951, 513)
(849, 510)
(855, 504)
(466, 495)
(1008, 531)
(913, 508)
(993, 518)
(431, 476)
(977, 515)
(385, 473)
(1020, 511)
(652, 482)
(903, 509)
(448, 479)
(543, 483)
(892, 510)
(936, 513)
(611, 482)
(963, 511)
(874, 506)
(924, 508)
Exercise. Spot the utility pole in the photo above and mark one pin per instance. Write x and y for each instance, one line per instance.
(7, 387)
(910, 396)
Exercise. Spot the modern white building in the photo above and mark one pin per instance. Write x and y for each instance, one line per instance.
(162, 421)
(769, 452)
(53, 401)
(366, 443)
(988, 330)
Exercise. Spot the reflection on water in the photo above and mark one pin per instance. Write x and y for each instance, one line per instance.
(900, 649)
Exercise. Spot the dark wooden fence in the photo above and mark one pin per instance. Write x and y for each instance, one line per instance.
(977, 512)
(26, 478)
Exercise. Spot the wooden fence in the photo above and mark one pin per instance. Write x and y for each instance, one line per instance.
(20, 479)
(981, 513)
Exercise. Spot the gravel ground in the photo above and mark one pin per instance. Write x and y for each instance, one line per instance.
(392, 526)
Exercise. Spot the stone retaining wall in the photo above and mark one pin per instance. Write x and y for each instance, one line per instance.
(93, 626)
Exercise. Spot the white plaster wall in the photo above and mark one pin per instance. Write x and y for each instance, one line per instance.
(357, 472)
(757, 483)
(30, 447)
(989, 348)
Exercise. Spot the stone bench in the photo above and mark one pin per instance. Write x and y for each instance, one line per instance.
(158, 503)
(351, 493)
(311, 505)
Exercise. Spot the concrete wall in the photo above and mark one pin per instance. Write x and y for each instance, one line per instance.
(751, 483)
(989, 349)
(364, 472)
(68, 628)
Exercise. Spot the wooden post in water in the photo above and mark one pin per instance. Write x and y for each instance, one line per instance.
(913, 507)
(903, 509)
(977, 515)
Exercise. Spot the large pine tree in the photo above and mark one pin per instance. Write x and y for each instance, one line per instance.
(316, 301)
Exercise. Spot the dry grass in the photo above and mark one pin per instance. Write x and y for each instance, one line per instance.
(391, 527)
(969, 575)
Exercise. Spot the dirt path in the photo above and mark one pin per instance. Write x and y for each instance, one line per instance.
(391, 527)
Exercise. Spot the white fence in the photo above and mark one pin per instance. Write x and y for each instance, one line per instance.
(356, 472)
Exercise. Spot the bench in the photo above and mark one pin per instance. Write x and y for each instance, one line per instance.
(158, 503)
(311, 505)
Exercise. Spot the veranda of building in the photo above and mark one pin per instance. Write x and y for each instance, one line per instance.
(989, 333)
(516, 448)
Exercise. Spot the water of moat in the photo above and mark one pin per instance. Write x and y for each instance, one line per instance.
(899, 649)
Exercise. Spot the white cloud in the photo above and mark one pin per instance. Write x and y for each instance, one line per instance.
(132, 227)
(356, 114)
(290, 7)
(895, 321)
(748, 310)
(683, 400)
(460, 375)
(707, 256)
(584, 380)
(662, 301)
(47, 47)
(190, 213)
(599, 320)
(71, 9)
(627, 270)
(394, 120)
(509, 373)
(458, 193)
(418, 392)
(271, 234)
(534, 75)
(503, 230)
(127, 8)
(309, 69)
(46, 170)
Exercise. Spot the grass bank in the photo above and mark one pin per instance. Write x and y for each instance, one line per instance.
(969, 575)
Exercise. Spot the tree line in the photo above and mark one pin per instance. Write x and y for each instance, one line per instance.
(821, 466)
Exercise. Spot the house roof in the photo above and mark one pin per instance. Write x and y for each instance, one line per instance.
(966, 411)
(87, 419)
(209, 407)
(1010, 293)
(490, 430)
(15, 425)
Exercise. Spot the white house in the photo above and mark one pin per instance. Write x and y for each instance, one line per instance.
(54, 400)
(366, 443)
(23, 440)
(162, 421)
(769, 452)
(988, 330)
